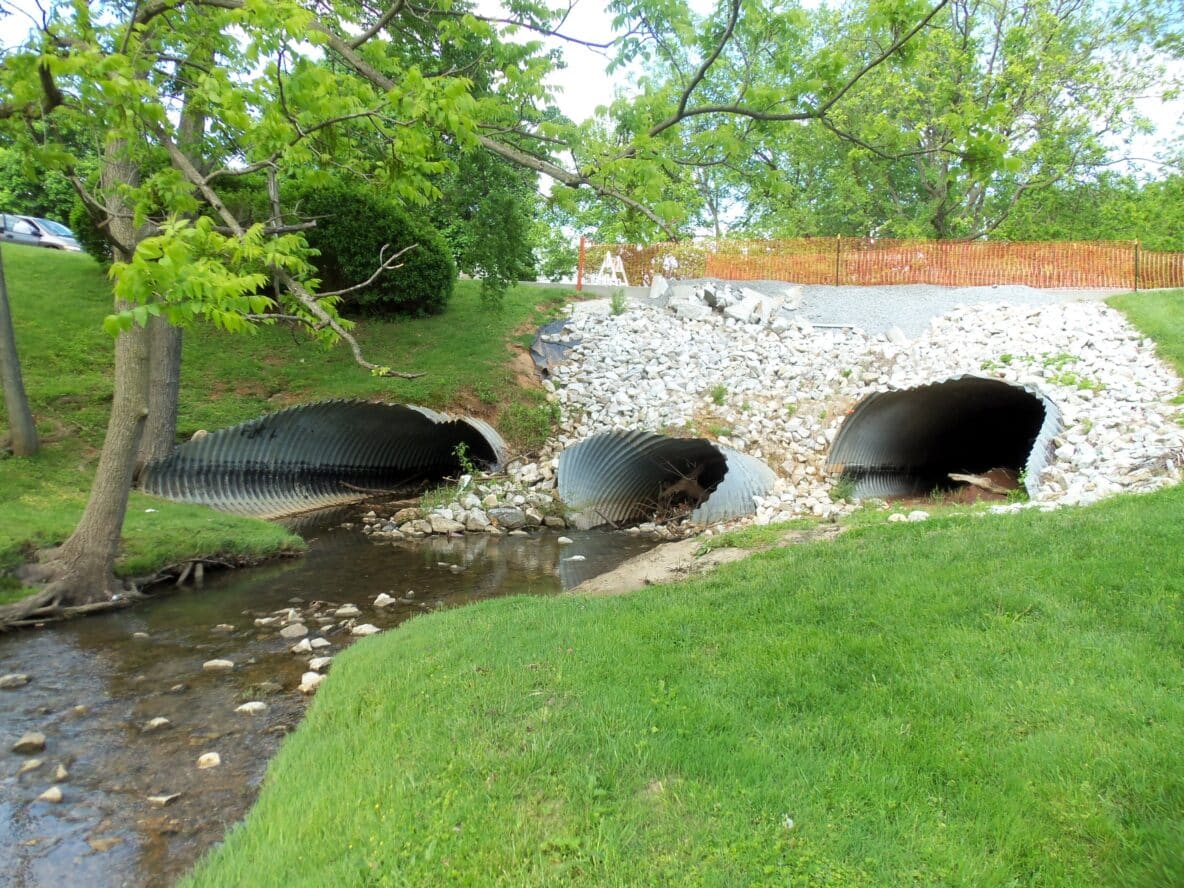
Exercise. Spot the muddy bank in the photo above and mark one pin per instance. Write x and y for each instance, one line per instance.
(677, 561)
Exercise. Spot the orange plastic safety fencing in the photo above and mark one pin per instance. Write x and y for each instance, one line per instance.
(865, 261)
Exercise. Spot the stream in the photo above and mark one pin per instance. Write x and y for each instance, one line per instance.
(97, 682)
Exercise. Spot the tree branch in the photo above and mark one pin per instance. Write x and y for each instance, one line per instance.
(298, 291)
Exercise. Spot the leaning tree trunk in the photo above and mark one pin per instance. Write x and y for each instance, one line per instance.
(164, 385)
(83, 569)
(20, 419)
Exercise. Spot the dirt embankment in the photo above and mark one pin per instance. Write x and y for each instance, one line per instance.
(677, 561)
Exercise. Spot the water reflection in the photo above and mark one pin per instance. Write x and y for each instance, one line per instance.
(98, 681)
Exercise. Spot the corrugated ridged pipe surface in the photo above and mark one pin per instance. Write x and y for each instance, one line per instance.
(319, 455)
(624, 476)
(906, 442)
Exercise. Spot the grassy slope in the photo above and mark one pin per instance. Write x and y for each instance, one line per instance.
(58, 303)
(969, 701)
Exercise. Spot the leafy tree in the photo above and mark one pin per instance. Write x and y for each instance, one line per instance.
(485, 212)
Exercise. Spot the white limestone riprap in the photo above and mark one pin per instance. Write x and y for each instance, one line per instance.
(768, 383)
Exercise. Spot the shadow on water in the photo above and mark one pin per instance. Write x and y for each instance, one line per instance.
(96, 682)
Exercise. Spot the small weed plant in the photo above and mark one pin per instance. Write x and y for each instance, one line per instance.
(617, 302)
(719, 394)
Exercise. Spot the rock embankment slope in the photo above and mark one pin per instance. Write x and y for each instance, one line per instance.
(772, 384)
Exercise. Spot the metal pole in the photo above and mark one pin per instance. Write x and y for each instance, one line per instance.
(580, 267)
(838, 249)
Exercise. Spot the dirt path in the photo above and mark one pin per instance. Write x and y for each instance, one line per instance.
(677, 561)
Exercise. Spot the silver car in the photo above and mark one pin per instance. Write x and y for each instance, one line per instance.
(38, 232)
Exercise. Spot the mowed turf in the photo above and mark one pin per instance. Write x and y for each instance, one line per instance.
(974, 700)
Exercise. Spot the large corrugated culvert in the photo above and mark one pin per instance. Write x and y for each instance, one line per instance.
(909, 442)
(622, 477)
(320, 455)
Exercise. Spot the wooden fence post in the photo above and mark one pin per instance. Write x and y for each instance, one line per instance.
(580, 268)
(838, 249)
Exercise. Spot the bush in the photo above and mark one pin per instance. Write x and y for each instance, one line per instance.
(354, 222)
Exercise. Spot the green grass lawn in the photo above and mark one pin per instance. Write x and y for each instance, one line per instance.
(974, 700)
(58, 304)
(970, 701)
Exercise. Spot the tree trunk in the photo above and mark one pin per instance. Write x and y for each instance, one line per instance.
(160, 433)
(86, 561)
(160, 430)
(20, 419)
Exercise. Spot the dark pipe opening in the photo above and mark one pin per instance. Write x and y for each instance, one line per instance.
(319, 455)
(907, 443)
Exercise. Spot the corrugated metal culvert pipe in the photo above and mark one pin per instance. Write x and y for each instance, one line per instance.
(907, 442)
(320, 455)
(621, 477)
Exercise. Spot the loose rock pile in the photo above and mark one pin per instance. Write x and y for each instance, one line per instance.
(521, 500)
(744, 371)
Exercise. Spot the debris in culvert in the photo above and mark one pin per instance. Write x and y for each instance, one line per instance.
(910, 442)
(320, 455)
(620, 478)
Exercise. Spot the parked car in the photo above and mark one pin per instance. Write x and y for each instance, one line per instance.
(38, 232)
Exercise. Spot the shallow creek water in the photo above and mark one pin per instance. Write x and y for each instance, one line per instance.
(97, 681)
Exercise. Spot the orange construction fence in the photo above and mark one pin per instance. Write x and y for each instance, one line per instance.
(864, 261)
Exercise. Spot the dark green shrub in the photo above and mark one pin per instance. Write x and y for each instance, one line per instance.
(354, 222)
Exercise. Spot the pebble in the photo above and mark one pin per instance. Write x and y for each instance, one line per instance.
(347, 610)
(364, 629)
(565, 541)
(319, 643)
(576, 558)
(160, 801)
(319, 664)
(53, 795)
(254, 707)
(155, 724)
(208, 760)
(32, 741)
(918, 515)
(294, 630)
(60, 774)
(29, 765)
(217, 665)
(13, 680)
(383, 600)
(302, 647)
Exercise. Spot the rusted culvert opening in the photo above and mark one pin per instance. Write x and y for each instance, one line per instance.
(320, 455)
(621, 478)
(909, 442)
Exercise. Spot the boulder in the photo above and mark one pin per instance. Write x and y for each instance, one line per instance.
(254, 707)
(508, 518)
(364, 629)
(383, 600)
(310, 681)
(440, 524)
(295, 630)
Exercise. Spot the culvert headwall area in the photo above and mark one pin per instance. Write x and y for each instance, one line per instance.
(910, 442)
(320, 455)
(622, 477)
